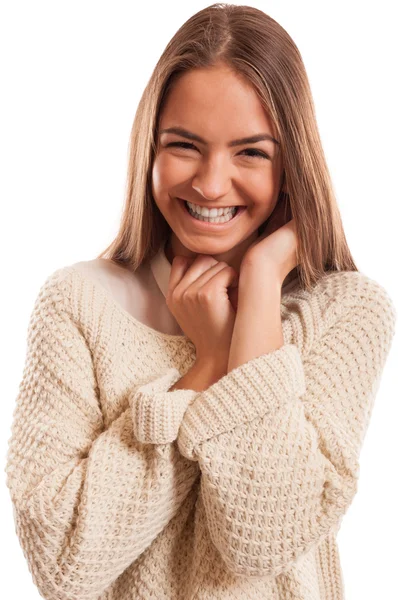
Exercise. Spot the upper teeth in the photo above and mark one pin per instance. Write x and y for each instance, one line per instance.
(212, 212)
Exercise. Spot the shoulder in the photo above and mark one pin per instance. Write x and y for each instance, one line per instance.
(59, 285)
(127, 287)
(108, 274)
(345, 287)
(356, 289)
(363, 307)
(105, 272)
(73, 290)
(339, 297)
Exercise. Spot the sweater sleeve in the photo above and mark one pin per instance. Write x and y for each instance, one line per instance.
(87, 500)
(278, 438)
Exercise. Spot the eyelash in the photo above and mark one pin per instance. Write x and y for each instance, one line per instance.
(257, 153)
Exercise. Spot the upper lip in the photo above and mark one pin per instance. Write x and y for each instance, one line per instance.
(209, 207)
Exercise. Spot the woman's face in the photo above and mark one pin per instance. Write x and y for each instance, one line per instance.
(217, 107)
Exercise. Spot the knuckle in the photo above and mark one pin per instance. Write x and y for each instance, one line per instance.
(204, 295)
(187, 296)
(175, 296)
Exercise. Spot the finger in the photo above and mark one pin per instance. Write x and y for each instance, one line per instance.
(179, 267)
(188, 272)
(223, 278)
(199, 277)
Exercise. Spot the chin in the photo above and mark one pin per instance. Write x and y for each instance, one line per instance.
(209, 248)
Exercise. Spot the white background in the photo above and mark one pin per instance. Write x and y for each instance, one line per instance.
(72, 74)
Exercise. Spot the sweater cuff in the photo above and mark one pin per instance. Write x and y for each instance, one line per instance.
(251, 390)
(156, 412)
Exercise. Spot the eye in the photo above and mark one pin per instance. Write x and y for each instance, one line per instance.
(256, 153)
(181, 145)
(187, 146)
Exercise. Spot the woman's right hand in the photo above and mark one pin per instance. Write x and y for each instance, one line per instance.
(197, 297)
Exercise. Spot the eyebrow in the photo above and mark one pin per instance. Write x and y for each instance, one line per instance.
(260, 137)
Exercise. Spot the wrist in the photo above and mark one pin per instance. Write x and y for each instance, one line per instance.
(264, 276)
(209, 369)
(200, 376)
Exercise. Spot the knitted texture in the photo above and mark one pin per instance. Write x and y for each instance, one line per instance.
(125, 490)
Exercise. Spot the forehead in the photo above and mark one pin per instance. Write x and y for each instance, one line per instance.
(215, 101)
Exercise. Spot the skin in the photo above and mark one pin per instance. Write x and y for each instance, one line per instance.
(219, 106)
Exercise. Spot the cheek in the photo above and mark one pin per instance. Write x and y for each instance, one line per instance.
(168, 172)
(165, 182)
(159, 176)
(260, 188)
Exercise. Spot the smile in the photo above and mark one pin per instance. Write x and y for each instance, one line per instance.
(212, 223)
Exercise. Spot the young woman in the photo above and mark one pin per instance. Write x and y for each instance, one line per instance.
(195, 399)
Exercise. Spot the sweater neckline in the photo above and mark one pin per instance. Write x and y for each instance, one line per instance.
(108, 297)
(161, 270)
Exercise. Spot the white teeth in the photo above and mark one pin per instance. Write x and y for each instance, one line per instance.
(218, 219)
(212, 212)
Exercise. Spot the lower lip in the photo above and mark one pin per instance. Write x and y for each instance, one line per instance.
(206, 225)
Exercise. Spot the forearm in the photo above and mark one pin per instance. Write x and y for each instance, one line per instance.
(258, 323)
(199, 377)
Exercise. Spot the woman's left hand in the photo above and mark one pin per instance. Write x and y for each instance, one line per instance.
(265, 265)
(275, 250)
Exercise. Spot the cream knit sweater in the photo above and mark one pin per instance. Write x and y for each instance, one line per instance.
(123, 490)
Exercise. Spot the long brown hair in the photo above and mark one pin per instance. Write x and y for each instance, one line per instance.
(255, 46)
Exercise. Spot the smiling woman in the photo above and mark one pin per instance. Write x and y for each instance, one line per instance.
(233, 162)
(219, 461)
(224, 124)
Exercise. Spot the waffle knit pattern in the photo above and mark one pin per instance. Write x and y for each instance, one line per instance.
(124, 490)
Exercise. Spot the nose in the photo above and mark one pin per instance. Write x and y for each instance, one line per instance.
(212, 180)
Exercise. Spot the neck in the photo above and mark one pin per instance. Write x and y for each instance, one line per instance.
(233, 257)
(170, 251)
